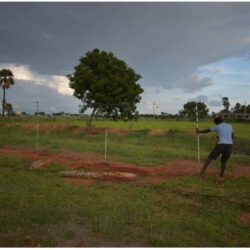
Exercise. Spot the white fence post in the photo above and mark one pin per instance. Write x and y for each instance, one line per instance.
(198, 138)
(106, 144)
(37, 127)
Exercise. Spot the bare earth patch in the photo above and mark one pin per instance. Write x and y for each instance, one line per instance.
(95, 163)
(99, 175)
(245, 218)
(156, 132)
(75, 129)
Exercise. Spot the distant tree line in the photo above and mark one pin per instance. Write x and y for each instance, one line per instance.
(238, 108)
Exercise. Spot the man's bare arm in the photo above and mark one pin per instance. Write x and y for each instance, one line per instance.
(204, 131)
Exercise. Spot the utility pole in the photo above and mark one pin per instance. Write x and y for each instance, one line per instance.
(37, 126)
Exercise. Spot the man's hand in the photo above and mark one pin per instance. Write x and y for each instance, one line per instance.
(204, 131)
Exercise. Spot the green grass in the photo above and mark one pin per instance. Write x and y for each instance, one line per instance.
(185, 212)
(241, 129)
(38, 207)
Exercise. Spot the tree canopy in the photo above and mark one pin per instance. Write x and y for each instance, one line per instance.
(106, 85)
(189, 110)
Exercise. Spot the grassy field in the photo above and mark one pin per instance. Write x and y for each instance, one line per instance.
(241, 129)
(39, 208)
(173, 140)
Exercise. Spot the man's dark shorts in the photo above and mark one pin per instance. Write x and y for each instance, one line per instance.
(224, 149)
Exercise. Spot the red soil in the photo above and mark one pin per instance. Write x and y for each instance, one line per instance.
(156, 132)
(245, 218)
(95, 162)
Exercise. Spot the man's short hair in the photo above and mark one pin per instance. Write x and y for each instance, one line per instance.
(218, 120)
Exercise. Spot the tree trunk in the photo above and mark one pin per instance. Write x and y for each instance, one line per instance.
(90, 120)
(3, 101)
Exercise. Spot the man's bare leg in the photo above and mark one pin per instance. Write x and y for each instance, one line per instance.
(206, 164)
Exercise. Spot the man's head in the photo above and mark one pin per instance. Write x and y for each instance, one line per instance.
(218, 120)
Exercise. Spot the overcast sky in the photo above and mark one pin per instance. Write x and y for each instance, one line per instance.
(183, 51)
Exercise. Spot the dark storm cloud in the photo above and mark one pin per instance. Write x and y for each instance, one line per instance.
(162, 39)
(164, 42)
(193, 83)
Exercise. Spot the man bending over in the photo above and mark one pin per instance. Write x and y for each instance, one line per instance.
(224, 146)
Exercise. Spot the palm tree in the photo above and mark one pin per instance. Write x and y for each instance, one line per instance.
(6, 80)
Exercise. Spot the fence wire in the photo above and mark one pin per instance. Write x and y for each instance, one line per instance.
(156, 147)
(144, 147)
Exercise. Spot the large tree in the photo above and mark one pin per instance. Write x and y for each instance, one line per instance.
(105, 84)
(189, 110)
(6, 80)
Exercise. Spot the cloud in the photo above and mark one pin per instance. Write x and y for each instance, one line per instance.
(200, 98)
(24, 94)
(60, 83)
(193, 83)
(47, 36)
(212, 69)
(167, 100)
(52, 91)
(167, 43)
(245, 40)
(215, 103)
(25, 74)
(21, 72)
(206, 100)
